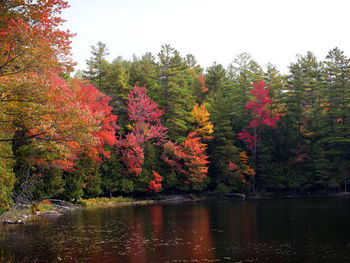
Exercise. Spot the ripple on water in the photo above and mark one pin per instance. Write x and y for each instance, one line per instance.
(200, 232)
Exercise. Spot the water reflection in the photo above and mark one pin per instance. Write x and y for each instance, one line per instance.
(310, 230)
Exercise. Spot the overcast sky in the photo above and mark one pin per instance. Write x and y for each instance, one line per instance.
(212, 30)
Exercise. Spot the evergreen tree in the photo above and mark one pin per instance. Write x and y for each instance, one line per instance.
(335, 98)
(176, 92)
(144, 72)
(221, 148)
(243, 72)
(97, 66)
(117, 87)
(216, 78)
(277, 84)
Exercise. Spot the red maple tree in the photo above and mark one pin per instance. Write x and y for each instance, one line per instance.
(144, 112)
(155, 185)
(202, 81)
(261, 117)
(260, 113)
(188, 159)
(75, 120)
(97, 105)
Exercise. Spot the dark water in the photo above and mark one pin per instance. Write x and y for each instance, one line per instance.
(303, 230)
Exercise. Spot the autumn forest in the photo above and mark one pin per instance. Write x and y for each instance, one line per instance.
(160, 123)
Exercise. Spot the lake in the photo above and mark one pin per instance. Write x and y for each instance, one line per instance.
(278, 230)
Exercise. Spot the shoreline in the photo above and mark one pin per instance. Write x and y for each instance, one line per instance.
(58, 207)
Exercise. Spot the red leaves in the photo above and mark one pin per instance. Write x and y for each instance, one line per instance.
(173, 156)
(155, 185)
(147, 127)
(145, 113)
(97, 104)
(141, 108)
(195, 158)
(248, 139)
(260, 113)
(188, 159)
(132, 154)
(72, 121)
(232, 166)
(202, 81)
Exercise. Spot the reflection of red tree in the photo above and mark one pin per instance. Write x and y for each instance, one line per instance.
(156, 220)
(200, 237)
(136, 242)
(133, 250)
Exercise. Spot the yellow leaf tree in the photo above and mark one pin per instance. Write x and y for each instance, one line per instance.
(203, 126)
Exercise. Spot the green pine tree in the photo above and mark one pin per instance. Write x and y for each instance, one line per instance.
(97, 65)
(176, 93)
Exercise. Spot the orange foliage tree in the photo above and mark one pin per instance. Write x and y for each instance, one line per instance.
(156, 183)
(46, 122)
(74, 121)
(31, 39)
(32, 46)
(189, 159)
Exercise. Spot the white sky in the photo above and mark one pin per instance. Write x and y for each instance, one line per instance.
(212, 30)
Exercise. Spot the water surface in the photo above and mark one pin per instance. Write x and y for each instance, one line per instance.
(300, 230)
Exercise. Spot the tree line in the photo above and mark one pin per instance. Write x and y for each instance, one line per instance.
(304, 149)
(161, 122)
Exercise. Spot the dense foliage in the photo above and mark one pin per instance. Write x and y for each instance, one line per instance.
(180, 128)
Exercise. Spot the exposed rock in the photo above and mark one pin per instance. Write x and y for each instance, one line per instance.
(49, 213)
(12, 222)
